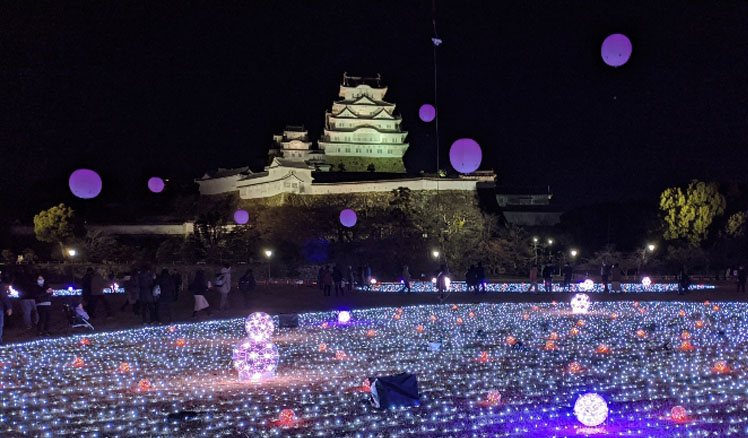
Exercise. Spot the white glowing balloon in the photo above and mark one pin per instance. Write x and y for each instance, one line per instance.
(591, 409)
(646, 282)
(580, 303)
(259, 326)
(344, 316)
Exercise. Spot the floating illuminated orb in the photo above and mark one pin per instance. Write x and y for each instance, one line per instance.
(465, 155)
(427, 112)
(591, 409)
(255, 360)
(348, 218)
(587, 285)
(241, 217)
(85, 183)
(580, 303)
(259, 326)
(616, 50)
(344, 317)
(646, 282)
(156, 184)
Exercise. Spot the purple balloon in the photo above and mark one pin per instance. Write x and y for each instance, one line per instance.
(427, 112)
(348, 218)
(85, 183)
(155, 184)
(465, 155)
(616, 50)
(241, 217)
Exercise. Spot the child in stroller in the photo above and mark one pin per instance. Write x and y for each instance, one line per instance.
(77, 315)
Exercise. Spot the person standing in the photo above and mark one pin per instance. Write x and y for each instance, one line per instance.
(6, 307)
(146, 298)
(349, 275)
(683, 280)
(548, 277)
(321, 278)
(741, 278)
(43, 296)
(27, 293)
(327, 281)
(615, 277)
(480, 274)
(98, 284)
(225, 287)
(568, 273)
(441, 281)
(533, 279)
(605, 275)
(405, 279)
(471, 279)
(168, 295)
(247, 284)
(337, 280)
(199, 287)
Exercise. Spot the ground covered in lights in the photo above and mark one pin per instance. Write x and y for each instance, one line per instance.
(179, 381)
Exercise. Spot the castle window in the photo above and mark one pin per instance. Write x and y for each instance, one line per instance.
(347, 149)
(389, 151)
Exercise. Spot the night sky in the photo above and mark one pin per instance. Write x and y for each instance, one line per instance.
(132, 90)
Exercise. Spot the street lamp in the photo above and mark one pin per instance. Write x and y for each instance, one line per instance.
(435, 253)
(535, 249)
(651, 247)
(72, 252)
(574, 252)
(268, 254)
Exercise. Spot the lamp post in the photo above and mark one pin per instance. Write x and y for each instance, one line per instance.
(435, 254)
(650, 247)
(550, 251)
(535, 249)
(268, 254)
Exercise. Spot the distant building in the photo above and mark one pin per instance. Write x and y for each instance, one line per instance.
(362, 132)
(294, 145)
(528, 207)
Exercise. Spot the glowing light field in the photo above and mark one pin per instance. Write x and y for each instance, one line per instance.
(511, 370)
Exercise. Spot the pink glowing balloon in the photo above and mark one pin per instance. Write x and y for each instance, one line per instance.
(85, 183)
(241, 217)
(616, 50)
(465, 155)
(348, 218)
(427, 112)
(156, 184)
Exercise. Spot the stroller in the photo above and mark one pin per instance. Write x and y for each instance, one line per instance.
(77, 316)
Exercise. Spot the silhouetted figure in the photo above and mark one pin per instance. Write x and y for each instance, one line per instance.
(247, 284)
(199, 287)
(168, 296)
(605, 274)
(548, 277)
(568, 274)
(146, 299)
(337, 280)
(741, 279)
(405, 278)
(480, 274)
(533, 279)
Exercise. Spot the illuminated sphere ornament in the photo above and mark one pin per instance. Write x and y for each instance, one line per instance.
(646, 282)
(259, 326)
(344, 317)
(255, 360)
(241, 217)
(155, 184)
(616, 50)
(85, 183)
(591, 409)
(348, 218)
(580, 303)
(587, 285)
(465, 155)
(427, 112)
(287, 417)
(679, 414)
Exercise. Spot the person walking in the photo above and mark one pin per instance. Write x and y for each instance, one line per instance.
(441, 281)
(6, 307)
(225, 287)
(146, 298)
(533, 279)
(337, 280)
(405, 278)
(548, 277)
(199, 287)
(43, 297)
(167, 297)
(741, 278)
(247, 284)
(568, 273)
